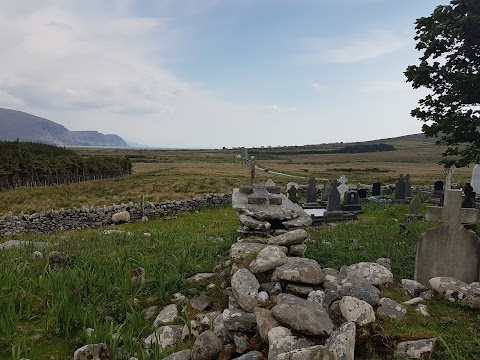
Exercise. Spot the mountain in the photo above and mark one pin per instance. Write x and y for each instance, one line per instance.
(20, 125)
(136, 145)
(94, 138)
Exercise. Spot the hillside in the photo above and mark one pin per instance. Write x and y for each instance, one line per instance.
(20, 125)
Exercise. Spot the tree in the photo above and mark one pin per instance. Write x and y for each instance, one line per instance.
(450, 68)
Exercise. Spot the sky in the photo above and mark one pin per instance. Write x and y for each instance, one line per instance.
(215, 73)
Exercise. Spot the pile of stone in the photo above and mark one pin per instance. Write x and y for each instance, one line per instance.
(264, 211)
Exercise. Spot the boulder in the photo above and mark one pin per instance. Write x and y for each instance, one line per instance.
(457, 291)
(239, 320)
(390, 310)
(303, 316)
(265, 322)
(245, 251)
(412, 287)
(293, 237)
(267, 259)
(342, 342)
(417, 349)
(245, 289)
(356, 310)
(373, 273)
(92, 352)
(281, 340)
(207, 346)
(167, 315)
(300, 270)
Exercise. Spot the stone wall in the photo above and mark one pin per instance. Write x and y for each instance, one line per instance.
(82, 218)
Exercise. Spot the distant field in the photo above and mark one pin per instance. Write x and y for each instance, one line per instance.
(179, 174)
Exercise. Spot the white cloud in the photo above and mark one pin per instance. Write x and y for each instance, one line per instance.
(349, 51)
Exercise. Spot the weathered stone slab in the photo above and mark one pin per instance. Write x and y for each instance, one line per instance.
(239, 320)
(300, 270)
(287, 210)
(293, 237)
(245, 250)
(449, 250)
(390, 310)
(254, 223)
(167, 315)
(301, 221)
(356, 310)
(265, 322)
(313, 352)
(245, 289)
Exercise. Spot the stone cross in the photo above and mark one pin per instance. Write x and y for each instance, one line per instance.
(448, 181)
(342, 188)
(252, 170)
(312, 191)
(450, 249)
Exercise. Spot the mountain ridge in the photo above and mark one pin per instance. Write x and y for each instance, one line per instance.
(15, 124)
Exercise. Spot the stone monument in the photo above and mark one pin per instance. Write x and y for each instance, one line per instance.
(475, 181)
(312, 191)
(376, 189)
(400, 188)
(450, 249)
(342, 188)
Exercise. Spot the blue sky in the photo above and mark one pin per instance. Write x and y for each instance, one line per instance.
(213, 73)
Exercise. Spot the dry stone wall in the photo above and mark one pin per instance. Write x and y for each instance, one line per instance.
(83, 218)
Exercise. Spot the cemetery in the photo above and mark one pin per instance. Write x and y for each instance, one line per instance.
(284, 291)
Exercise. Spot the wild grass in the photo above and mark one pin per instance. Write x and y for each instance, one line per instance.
(44, 303)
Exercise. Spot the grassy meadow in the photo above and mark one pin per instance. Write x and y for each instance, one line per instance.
(46, 308)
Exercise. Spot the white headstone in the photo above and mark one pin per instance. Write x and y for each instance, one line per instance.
(475, 182)
(448, 181)
(342, 188)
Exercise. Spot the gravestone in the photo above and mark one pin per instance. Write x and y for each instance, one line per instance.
(350, 201)
(362, 193)
(408, 186)
(292, 194)
(438, 187)
(327, 186)
(475, 181)
(252, 170)
(333, 202)
(376, 189)
(449, 250)
(400, 188)
(415, 209)
(312, 191)
(342, 188)
(468, 200)
(448, 180)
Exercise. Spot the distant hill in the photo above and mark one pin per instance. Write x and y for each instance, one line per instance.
(94, 138)
(20, 125)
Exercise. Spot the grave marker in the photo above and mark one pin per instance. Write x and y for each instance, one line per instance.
(376, 189)
(326, 190)
(333, 202)
(342, 188)
(475, 181)
(408, 186)
(292, 194)
(449, 250)
(400, 188)
(312, 191)
(362, 193)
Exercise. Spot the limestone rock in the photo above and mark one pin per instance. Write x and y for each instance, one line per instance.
(207, 346)
(245, 289)
(165, 336)
(412, 287)
(304, 316)
(239, 320)
(201, 277)
(267, 259)
(301, 270)
(422, 309)
(317, 296)
(293, 237)
(92, 352)
(265, 322)
(414, 301)
(254, 223)
(201, 302)
(356, 310)
(241, 342)
(281, 340)
(360, 289)
(385, 262)
(390, 310)
(418, 349)
(298, 250)
(319, 352)
(342, 342)
(301, 221)
(298, 289)
(372, 273)
(457, 291)
(245, 250)
(168, 314)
